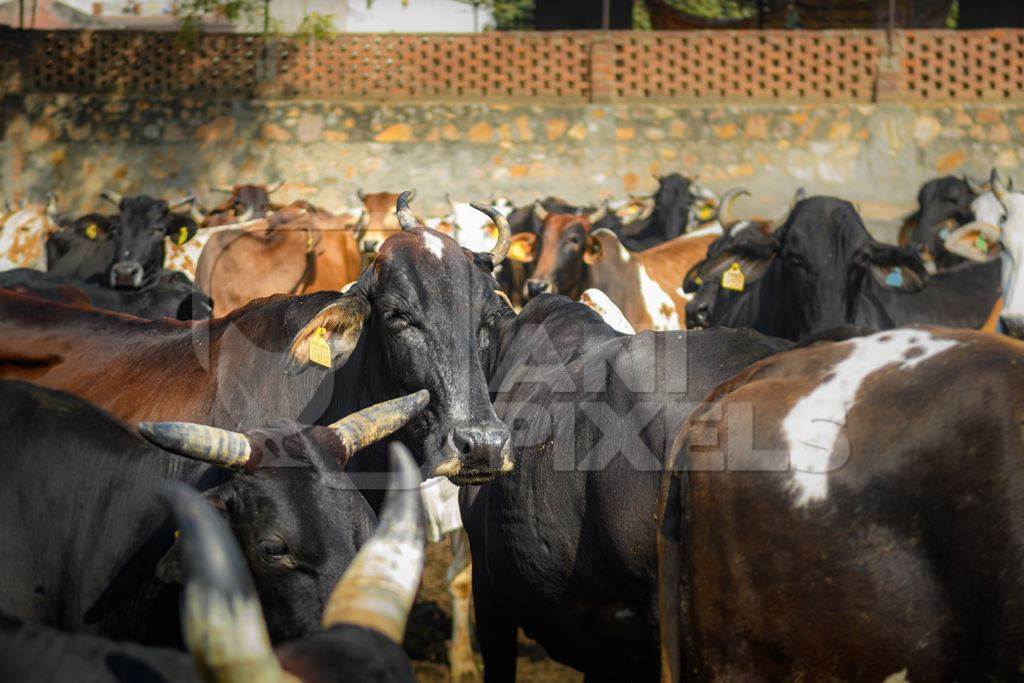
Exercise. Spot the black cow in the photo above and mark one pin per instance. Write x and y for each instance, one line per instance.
(822, 270)
(564, 545)
(942, 205)
(224, 626)
(674, 202)
(127, 249)
(81, 248)
(171, 295)
(89, 548)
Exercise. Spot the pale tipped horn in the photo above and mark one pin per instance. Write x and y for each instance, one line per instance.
(219, 447)
(361, 194)
(369, 425)
(724, 213)
(187, 199)
(275, 187)
(978, 188)
(377, 590)
(500, 250)
(539, 211)
(226, 189)
(112, 197)
(223, 624)
(245, 215)
(798, 197)
(998, 189)
(601, 212)
(52, 212)
(403, 213)
(196, 214)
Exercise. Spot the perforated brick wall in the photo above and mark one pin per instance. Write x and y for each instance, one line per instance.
(725, 66)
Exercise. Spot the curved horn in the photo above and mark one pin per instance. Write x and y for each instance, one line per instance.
(798, 197)
(112, 197)
(196, 215)
(361, 194)
(275, 187)
(226, 189)
(187, 199)
(998, 189)
(451, 204)
(377, 590)
(974, 186)
(724, 213)
(539, 211)
(600, 213)
(222, 621)
(369, 425)
(500, 250)
(245, 216)
(218, 447)
(402, 211)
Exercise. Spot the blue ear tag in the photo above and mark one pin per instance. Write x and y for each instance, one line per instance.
(944, 233)
(894, 278)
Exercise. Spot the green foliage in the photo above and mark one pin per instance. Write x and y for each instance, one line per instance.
(315, 26)
(509, 15)
(953, 20)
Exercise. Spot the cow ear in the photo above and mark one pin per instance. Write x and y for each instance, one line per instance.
(752, 259)
(331, 336)
(592, 250)
(895, 267)
(169, 568)
(523, 247)
(975, 241)
(693, 280)
(180, 228)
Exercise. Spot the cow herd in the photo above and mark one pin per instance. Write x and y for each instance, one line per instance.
(686, 445)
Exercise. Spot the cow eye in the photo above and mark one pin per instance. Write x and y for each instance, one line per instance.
(396, 320)
(273, 550)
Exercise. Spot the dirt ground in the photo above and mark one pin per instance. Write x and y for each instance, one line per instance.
(429, 630)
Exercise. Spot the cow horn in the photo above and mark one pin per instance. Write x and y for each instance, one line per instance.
(361, 194)
(369, 425)
(539, 211)
(998, 189)
(724, 213)
(112, 197)
(600, 213)
(223, 624)
(275, 187)
(52, 212)
(500, 250)
(226, 189)
(367, 597)
(196, 214)
(402, 211)
(798, 197)
(219, 447)
(187, 199)
(974, 186)
(246, 215)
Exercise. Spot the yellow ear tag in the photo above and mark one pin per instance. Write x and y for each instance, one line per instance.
(91, 231)
(517, 252)
(319, 349)
(733, 279)
(706, 213)
(182, 236)
(698, 280)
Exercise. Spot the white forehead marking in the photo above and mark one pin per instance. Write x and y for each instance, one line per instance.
(814, 423)
(658, 303)
(433, 244)
(599, 302)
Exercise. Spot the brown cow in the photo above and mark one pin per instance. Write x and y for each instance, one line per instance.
(851, 511)
(646, 285)
(244, 203)
(295, 251)
(377, 220)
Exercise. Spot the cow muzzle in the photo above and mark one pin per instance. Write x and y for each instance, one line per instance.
(126, 274)
(698, 317)
(1012, 325)
(535, 288)
(476, 453)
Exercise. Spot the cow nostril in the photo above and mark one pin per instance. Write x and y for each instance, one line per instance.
(536, 287)
(463, 441)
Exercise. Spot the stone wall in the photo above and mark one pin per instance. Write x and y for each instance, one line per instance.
(874, 154)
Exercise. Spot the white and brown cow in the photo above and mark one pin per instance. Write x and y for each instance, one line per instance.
(828, 514)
